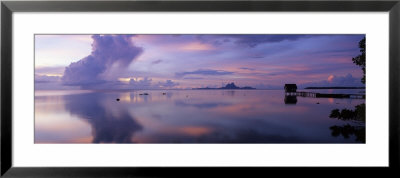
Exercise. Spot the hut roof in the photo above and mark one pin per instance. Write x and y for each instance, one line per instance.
(290, 86)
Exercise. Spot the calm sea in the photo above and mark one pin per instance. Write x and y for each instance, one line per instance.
(191, 116)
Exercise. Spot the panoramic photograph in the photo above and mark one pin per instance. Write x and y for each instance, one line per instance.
(200, 88)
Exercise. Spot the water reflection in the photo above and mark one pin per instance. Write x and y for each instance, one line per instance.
(107, 127)
(145, 98)
(357, 115)
(202, 105)
(290, 99)
(190, 116)
(347, 130)
(229, 92)
(169, 95)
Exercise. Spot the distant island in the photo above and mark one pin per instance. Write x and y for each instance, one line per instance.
(334, 88)
(228, 86)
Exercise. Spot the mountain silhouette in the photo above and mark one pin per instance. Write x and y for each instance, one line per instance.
(227, 86)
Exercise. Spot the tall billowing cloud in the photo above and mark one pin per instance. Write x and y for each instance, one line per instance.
(107, 51)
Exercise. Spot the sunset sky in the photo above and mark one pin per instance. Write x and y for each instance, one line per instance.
(191, 61)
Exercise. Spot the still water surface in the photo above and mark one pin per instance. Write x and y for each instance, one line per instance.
(188, 116)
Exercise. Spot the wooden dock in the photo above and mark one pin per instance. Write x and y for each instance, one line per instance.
(302, 93)
(324, 95)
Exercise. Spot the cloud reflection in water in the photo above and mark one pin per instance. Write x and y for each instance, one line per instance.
(106, 126)
(194, 116)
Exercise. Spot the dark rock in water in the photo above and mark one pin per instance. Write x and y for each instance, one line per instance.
(318, 103)
(117, 99)
(164, 93)
(143, 94)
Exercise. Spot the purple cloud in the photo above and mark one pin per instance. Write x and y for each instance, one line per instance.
(193, 78)
(46, 78)
(156, 61)
(268, 60)
(107, 51)
(46, 82)
(247, 68)
(254, 40)
(51, 70)
(204, 72)
(140, 84)
(168, 84)
(146, 83)
(336, 81)
(250, 40)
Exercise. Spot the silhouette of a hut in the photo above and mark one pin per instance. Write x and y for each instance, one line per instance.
(290, 87)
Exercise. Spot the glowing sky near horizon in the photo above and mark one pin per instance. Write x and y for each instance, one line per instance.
(188, 61)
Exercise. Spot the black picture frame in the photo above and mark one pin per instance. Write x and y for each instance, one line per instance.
(8, 7)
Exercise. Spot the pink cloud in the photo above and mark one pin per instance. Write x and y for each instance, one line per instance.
(196, 47)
